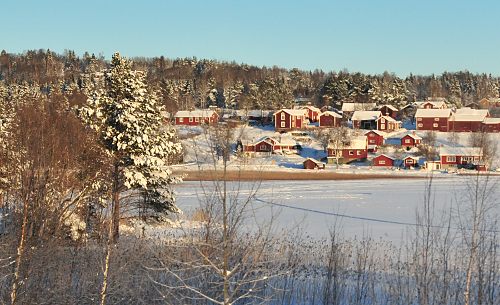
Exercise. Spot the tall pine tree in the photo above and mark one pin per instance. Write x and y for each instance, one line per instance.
(126, 116)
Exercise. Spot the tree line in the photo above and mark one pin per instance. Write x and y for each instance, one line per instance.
(186, 83)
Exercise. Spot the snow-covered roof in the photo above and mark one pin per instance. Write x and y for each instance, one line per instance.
(285, 140)
(357, 142)
(387, 118)
(491, 121)
(331, 113)
(434, 103)
(392, 158)
(311, 107)
(379, 132)
(315, 161)
(388, 106)
(433, 113)
(297, 112)
(469, 114)
(460, 151)
(365, 115)
(200, 113)
(412, 135)
(350, 107)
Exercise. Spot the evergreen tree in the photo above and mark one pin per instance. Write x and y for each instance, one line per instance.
(127, 118)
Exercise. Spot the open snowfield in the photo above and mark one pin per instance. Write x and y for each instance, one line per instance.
(377, 208)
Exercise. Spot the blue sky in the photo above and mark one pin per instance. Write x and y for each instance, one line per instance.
(421, 37)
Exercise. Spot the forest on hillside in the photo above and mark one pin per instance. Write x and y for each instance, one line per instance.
(186, 83)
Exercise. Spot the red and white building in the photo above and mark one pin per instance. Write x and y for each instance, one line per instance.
(389, 110)
(410, 140)
(375, 138)
(365, 119)
(329, 119)
(312, 113)
(410, 161)
(355, 150)
(433, 119)
(289, 119)
(383, 160)
(387, 123)
(349, 108)
(270, 145)
(467, 120)
(433, 103)
(196, 117)
(459, 156)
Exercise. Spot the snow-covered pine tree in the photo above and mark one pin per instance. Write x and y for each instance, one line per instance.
(126, 116)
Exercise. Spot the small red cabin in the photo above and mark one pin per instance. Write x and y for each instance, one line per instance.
(329, 119)
(410, 162)
(389, 110)
(383, 160)
(311, 163)
(289, 119)
(196, 117)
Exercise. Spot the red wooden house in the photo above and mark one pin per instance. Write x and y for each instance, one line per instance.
(311, 163)
(410, 140)
(354, 150)
(433, 119)
(289, 119)
(375, 138)
(196, 117)
(460, 156)
(467, 120)
(387, 123)
(312, 113)
(389, 110)
(329, 119)
(383, 160)
(433, 103)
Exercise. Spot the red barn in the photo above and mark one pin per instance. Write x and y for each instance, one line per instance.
(289, 119)
(468, 120)
(386, 123)
(354, 150)
(460, 156)
(375, 138)
(311, 163)
(329, 119)
(491, 125)
(196, 117)
(383, 160)
(433, 119)
(410, 140)
(389, 110)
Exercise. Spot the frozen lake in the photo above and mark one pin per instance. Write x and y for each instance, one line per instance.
(381, 208)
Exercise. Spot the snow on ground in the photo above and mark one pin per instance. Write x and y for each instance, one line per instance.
(310, 204)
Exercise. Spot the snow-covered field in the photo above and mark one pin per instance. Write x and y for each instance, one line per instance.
(378, 208)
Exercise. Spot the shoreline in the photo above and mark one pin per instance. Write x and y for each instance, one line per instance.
(253, 175)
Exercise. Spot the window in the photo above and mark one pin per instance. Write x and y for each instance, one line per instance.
(351, 153)
(181, 120)
(196, 119)
(419, 119)
(282, 115)
(190, 119)
(436, 119)
(282, 124)
(476, 159)
(371, 135)
(467, 159)
(420, 125)
(293, 123)
(451, 159)
(382, 126)
(371, 141)
(382, 120)
(381, 162)
(409, 161)
(407, 141)
(435, 125)
(359, 152)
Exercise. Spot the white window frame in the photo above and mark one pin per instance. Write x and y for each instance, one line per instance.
(283, 116)
(451, 159)
(358, 152)
(181, 120)
(410, 161)
(196, 119)
(382, 126)
(420, 125)
(283, 124)
(382, 162)
(436, 119)
(190, 119)
(435, 125)
(407, 141)
(419, 119)
(351, 153)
